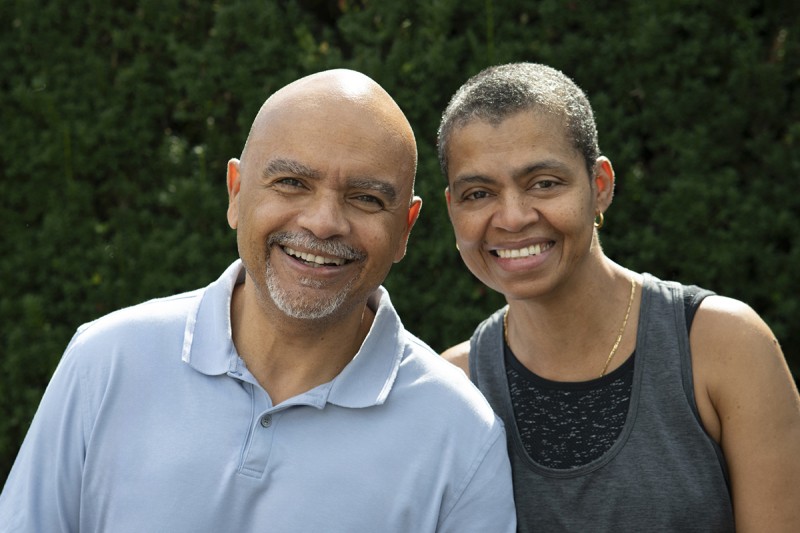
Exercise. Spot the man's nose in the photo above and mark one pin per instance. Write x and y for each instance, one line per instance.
(325, 217)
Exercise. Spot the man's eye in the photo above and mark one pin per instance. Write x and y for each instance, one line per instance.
(289, 182)
(545, 184)
(369, 199)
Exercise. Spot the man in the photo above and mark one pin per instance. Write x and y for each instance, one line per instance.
(285, 396)
(630, 403)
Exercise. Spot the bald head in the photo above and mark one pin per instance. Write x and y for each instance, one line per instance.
(328, 169)
(322, 97)
(347, 85)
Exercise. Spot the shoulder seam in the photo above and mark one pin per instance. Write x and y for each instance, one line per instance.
(496, 433)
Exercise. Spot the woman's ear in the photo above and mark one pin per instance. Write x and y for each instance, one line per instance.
(603, 183)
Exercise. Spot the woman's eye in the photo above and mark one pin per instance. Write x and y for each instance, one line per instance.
(476, 195)
(545, 184)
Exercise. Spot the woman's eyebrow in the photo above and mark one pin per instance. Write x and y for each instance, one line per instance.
(481, 179)
(471, 179)
(547, 164)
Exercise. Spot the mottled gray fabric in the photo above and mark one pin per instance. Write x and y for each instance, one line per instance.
(566, 425)
(663, 472)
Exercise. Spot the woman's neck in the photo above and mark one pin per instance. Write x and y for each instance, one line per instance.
(568, 334)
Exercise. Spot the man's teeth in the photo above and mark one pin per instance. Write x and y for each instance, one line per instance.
(533, 249)
(316, 259)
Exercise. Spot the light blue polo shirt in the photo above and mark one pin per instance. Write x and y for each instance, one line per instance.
(153, 423)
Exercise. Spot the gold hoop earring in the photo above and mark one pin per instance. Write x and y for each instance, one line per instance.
(457, 248)
(599, 220)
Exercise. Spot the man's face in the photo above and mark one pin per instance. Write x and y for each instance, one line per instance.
(320, 202)
(521, 203)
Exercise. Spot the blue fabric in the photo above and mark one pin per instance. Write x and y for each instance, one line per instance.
(153, 423)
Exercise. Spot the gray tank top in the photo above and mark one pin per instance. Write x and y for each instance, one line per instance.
(664, 473)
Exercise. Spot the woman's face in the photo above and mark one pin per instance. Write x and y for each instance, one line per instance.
(521, 203)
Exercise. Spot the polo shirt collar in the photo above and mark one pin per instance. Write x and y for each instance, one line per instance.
(207, 339)
(365, 381)
(368, 377)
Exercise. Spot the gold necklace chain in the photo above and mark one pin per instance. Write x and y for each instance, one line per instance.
(619, 336)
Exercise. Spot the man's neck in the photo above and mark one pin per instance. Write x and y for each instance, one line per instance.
(290, 356)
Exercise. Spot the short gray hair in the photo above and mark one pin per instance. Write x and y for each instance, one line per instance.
(497, 92)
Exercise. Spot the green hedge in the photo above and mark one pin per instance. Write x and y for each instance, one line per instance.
(117, 122)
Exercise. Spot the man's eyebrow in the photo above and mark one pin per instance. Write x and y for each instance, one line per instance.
(289, 166)
(372, 184)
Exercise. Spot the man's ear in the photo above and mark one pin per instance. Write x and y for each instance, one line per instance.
(234, 185)
(411, 219)
(603, 183)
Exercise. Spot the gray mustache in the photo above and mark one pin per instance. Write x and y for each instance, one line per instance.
(308, 242)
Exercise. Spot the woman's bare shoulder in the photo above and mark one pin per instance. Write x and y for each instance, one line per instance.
(459, 356)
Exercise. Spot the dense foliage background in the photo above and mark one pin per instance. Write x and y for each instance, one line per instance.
(118, 119)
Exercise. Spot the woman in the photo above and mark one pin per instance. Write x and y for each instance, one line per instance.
(630, 403)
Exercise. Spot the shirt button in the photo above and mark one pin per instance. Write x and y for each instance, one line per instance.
(266, 421)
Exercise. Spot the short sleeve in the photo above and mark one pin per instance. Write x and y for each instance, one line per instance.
(487, 501)
(43, 490)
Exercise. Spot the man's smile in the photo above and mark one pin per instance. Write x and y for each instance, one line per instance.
(312, 259)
